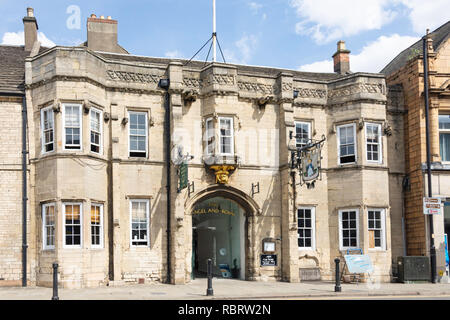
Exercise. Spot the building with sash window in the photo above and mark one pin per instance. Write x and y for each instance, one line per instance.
(112, 204)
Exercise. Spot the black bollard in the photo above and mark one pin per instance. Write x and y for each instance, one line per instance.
(337, 287)
(55, 281)
(209, 291)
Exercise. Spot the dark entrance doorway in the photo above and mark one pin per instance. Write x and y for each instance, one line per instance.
(218, 233)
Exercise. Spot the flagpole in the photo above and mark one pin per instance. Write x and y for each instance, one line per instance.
(214, 31)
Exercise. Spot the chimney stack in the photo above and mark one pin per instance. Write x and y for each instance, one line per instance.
(102, 34)
(30, 29)
(341, 58)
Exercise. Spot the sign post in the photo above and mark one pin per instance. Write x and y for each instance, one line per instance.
(431, 205)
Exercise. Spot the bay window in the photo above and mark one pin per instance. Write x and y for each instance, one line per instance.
(373, 142)
(47, 127)
(346, 135)
(72, 230)
(72, 126)
(96, 130)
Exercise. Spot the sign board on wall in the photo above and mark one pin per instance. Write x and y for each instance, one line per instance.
(268, 260)
(431, 205)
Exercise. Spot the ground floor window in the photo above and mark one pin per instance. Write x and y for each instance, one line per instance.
(139, 211)
(348, 229)
(306, 228)
(48, 223)
(376, 222)
(72, 224)
(97, 225)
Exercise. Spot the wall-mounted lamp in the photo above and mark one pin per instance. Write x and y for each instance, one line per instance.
(164, 83)
(295, 94)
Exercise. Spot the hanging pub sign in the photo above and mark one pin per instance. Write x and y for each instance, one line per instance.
(183, 176)
(310, 164)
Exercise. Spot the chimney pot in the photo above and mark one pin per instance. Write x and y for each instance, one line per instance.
(341, 58)
(30, 29)
(102, 17)
(93, 15)
(109, 18)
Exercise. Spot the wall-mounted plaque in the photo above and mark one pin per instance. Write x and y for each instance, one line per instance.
(268, 260)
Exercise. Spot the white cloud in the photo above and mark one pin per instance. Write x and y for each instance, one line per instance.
(328, 20)
(254, 7)
(372, 58)
(18, 39)
(242, 51)
(174, 54)
(427, 14)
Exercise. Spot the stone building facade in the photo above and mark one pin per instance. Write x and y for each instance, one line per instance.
(98, 191)
(405, 74)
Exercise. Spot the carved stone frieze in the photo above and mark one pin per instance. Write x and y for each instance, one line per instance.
(132, 76)
(193, 83)
(357, 88)
(311, 93)
(256, 87)
(221, 79)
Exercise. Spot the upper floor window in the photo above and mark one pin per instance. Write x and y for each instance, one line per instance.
(96, 130)
(226, 142)
(138, 134)
(139, 211)
(48, 129)
(346, 135)
(210, 136)
(48, 226)
(72, 127)
(348, 229)
(373, 142)
(303, 133)
(444, 137)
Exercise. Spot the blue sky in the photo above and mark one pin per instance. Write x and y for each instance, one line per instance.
(293, 34)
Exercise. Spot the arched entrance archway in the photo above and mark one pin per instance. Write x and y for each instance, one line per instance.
(242, 228)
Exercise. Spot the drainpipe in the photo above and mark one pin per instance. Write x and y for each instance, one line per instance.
(24, 192)
(427, 134)
(164, 84)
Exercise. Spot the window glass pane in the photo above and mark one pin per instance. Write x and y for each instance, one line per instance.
(444, 122)
(444, 146)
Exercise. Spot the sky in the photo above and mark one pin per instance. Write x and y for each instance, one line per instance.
(289, 34)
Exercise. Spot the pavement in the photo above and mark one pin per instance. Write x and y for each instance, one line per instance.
(228, 289)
